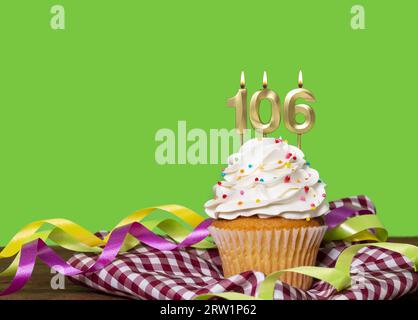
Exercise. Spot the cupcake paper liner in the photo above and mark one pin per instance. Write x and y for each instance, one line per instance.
(269, 251)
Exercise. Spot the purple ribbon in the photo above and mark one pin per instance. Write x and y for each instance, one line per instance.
(38, 248)
(340, 214)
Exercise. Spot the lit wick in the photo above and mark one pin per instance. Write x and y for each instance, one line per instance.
(242, 84)
(265, 80)
(300, 82)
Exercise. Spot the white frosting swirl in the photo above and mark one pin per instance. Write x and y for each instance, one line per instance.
(268, 177)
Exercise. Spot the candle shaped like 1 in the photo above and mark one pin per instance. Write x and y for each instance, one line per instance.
(291, 109)
(256, 99)
(239, 102)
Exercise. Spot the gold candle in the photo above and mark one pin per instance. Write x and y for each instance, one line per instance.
(256, 99)
(291, 109)
(239, 102)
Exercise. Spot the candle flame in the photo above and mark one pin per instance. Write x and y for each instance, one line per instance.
(265, 80)
(242, 84)
(300, 82)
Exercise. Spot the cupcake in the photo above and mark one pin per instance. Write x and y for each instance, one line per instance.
(267, 211)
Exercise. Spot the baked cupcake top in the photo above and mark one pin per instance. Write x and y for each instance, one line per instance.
(268, 177)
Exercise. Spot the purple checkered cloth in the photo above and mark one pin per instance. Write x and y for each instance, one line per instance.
(147, 273)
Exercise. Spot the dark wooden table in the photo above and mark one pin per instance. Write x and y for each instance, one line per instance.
(38, 287)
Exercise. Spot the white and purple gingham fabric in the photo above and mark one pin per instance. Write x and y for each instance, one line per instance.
(147, 273)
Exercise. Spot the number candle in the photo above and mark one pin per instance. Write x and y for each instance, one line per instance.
(239, 102)
(256, 99)
(291, 109)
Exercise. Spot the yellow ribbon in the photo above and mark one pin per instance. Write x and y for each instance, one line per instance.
(74, 237)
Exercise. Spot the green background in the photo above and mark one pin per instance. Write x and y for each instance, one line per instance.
(79, 108)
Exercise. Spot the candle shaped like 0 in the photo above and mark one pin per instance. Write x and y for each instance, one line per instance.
(239, 102)
(256, 99)
(291, 109)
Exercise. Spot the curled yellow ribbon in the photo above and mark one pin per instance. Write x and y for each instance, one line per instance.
(72, 236)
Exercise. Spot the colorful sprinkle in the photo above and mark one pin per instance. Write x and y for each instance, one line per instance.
(288, 156)
(256, 179)
(287, 164)
(261, 180)
(302, 198)
(280, 162)
(298, 181)
(294, 158)
(278, 140)
(219, 183)
(287, 179)
(261, 167)
(324, 195)
(223, 174)
(308, 163)
(306, 189)
(312, 204)
(257, 200)
(308, 219)
(250, 166)
(319, 181)
(224, 196)
(285, 141)
(240, 203)
(242, 171)
(241, 192)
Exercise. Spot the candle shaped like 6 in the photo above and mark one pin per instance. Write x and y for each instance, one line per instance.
(256, 99)
(291, 109)
(239, 102)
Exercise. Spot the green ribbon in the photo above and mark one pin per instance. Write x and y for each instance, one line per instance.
(339, 276)
(354, 229)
